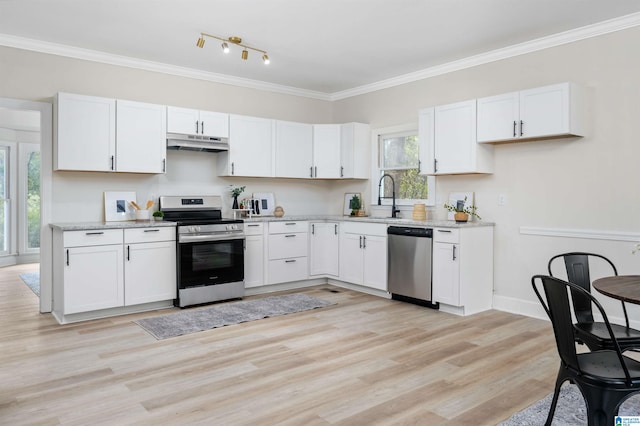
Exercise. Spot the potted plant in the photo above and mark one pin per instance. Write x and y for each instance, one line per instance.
(462, 212)
(235, 193)
(158, 215)
(354, 205)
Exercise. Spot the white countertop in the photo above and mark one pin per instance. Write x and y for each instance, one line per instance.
(79, 226)
(385, 220)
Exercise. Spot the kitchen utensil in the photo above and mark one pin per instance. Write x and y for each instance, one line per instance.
(149, 204)
(135, 205)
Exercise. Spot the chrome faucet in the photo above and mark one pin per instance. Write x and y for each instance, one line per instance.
(394, 210)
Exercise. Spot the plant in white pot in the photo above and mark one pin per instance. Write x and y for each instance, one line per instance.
(462, 211)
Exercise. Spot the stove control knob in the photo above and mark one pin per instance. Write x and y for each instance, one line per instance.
(232, 227)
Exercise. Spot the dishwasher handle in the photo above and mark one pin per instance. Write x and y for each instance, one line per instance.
(410, 232)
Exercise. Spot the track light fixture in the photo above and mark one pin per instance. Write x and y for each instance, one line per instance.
(233, 40)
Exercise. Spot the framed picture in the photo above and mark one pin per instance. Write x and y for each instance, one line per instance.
(117, 206)
(348, 197)
(457, 199)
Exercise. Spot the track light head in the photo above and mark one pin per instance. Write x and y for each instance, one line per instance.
(245, 54)
(265, 59)
(200, 42)
(225, 47)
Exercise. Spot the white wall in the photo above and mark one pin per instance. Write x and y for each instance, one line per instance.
(588, 183)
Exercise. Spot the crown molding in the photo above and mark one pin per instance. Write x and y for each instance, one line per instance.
(582, 33)
(126, 61)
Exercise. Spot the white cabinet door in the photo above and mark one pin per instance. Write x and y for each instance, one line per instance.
(446, 273)
(141, 137)
(455, 138)
(355, 150)
(498, 117)
(93, 278)
(85, 136)
(351, 262)
(254, 261)
(183, 120)
(326, 151)
(375, 262)
(250, 147)
(294, 150)
(215, 124)
(149, 272)
(324, 245)
(544, 111)
(426, 134)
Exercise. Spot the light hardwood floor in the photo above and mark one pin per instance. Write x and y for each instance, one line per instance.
(364, 361)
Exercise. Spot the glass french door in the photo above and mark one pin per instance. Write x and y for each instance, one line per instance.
(5, 201)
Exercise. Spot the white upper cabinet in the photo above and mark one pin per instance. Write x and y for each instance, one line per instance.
(141, 133)
(294, 150)
(105, 135)
(355, 150)
(326, 151)
(193, 122)
(540, 113)
(426, 133)
(250, 148)
(85, 135)
(455, 150)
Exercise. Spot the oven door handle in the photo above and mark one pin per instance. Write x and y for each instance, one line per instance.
(200, 238)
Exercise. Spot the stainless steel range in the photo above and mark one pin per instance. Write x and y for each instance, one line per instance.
(210, 251)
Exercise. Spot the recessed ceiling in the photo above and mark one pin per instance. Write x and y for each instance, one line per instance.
(323, 46)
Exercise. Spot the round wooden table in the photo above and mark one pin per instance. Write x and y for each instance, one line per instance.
(621, 287)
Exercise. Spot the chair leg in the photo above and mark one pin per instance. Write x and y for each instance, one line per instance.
(556, 393)
(602, 404)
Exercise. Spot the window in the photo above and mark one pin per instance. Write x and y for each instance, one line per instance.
(4, 201)
(30, 197)
(399, 157)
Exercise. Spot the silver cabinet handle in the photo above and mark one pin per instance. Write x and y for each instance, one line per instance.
(335, 229)
(113, 164)
(67, 257)
(311, 171)
(94, 233)
(290, 223)
(315, 171)
(128, 252)
(151, 230)
(360, 241)
(232, 168)
(202, 127)
(341, 171)
(290, 235)
(254, 224)
(290, 261)
(313, 229)
(164, 165)
(444, 230)
(454, 252)
(364, 241)
(197, 127)
(435, 165)
(521, 127)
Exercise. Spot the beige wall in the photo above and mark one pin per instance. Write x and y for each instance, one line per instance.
(579, 183)
(588, 183)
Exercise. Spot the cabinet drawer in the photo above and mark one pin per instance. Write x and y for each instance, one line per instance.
(364, 228)
(149, 235)
(288, 245)
(92, 237)
(253, 228)
(287, 227)
(444, 235)
(283, 270)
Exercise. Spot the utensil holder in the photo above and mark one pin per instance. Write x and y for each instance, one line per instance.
(142, 215)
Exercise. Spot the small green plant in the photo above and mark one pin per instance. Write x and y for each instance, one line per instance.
(461, 207)
(354, 204)
(235, 192)
(158, 214)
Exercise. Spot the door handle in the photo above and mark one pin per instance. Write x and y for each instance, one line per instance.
(290, 235)
(435, 165)
(364, 241)
(151, 230)
(113, 166)
(93, 233)
(202, 128)
(454, 252)
(128, 252)
(197, 127)
(67, 257)
(164, 165)
(514, 128)
(335, 229)
(521, 127)
(313, 229)
(290, 261)
(360, 241)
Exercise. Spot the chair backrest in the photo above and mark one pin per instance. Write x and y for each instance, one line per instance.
(558, 308)
(577, 266)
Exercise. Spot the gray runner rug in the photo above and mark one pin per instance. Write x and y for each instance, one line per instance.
(570, 411)
(32, 280)
(199, 319)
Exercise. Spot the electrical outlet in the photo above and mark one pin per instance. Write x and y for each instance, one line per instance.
(502, 199)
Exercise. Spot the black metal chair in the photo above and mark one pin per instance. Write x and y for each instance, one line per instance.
(592, 333)
(605, 377)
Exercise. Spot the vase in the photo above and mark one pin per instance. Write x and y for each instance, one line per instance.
(235, 202)
(461, 217)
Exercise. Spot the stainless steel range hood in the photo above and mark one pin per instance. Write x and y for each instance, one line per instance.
(197, 143)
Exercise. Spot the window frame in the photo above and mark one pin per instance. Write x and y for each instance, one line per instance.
(376, 169)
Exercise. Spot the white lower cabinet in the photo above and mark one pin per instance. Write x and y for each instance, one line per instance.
(324, 245)
(288, 248)
(95, 270)
(463, 269)
(150, 265)
(363, 254)
(254, 255)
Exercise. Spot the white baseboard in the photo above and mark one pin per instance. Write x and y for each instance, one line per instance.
(519, 306)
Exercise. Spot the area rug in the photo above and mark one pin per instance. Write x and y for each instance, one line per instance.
(199, 319)
(570, 410)
(32, 280)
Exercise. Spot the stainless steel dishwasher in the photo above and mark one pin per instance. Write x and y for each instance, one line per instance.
(409, 264)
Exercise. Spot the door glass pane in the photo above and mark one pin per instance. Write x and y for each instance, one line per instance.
(33, 200)
(4, 203)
